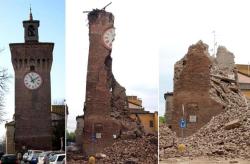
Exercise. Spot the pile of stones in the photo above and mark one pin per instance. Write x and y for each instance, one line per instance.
(142, 150)
(225, 135)
(139, 150)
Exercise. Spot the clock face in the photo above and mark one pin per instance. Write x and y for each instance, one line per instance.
(108, 37)
(32, 80)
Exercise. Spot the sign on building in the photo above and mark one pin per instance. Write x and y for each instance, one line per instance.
(183, 123)
(192, 118)
(98, 135)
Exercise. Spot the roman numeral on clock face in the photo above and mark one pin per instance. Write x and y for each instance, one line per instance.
(108, 37)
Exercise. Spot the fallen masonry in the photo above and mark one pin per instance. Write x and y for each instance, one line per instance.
(141, 150)
(226, 134)
(132, 151)
(213, 139)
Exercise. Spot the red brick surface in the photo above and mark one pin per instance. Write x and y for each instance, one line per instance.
(192, 90)
(32, 107)
(98, 95)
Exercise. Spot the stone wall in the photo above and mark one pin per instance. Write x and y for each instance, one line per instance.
(225, 59)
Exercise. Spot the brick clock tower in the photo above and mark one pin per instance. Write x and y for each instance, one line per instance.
(100, 128)
(32, 62)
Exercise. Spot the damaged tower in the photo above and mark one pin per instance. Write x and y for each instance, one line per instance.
(105, 113)
(199, 81)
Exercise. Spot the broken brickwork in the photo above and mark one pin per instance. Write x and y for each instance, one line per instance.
(225, 134)
(196, 88)
(105, 112)
(191, 89)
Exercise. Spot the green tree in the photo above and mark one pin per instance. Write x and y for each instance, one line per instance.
(162, 120)
(71, 136)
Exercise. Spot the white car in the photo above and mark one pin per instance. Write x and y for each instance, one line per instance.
(32, 154)
(42, 156)
(57, 159)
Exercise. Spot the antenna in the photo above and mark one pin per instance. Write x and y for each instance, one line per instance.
(215, 43)
(101, 9)
(86, 11)
(106, 6)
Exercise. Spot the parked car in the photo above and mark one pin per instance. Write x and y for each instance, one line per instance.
(57, 159)
(43, 156)
(34, 159)
(33, 156)
(25, 157)
(50, 155)
(72, 147)
(1, 154)
(9, 159)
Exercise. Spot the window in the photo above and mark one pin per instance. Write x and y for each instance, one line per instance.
(31, 30)
(151, 123)
(60, 158)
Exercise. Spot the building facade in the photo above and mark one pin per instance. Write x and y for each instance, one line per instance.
(32, 61)
(148, 120)
(244, 79)
(79, 130)
(10, 136)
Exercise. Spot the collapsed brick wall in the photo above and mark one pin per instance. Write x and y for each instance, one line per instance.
(191, 89)
(225, 60)
(119, 106)
(199, 80)
(226, 134)
(106, 111)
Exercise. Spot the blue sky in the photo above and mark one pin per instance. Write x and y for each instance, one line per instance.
(52, 29)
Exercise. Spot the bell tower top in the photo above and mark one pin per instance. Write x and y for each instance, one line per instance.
(31, 17)
(31, 29)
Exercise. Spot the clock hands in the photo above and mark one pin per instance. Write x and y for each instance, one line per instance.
(36, 78)
(33, 79)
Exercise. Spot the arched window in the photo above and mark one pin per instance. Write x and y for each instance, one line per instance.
(31, 30)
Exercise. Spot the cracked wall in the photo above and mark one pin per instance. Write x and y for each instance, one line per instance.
(204, 85)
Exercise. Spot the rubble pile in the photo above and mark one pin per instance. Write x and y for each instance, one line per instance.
(226, 134)
(167, 137)
(76, 158)
(125, 151)
(225, 90)
(139, 150)
(119, 105)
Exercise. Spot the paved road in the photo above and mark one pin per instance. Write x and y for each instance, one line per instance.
(205, 160)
